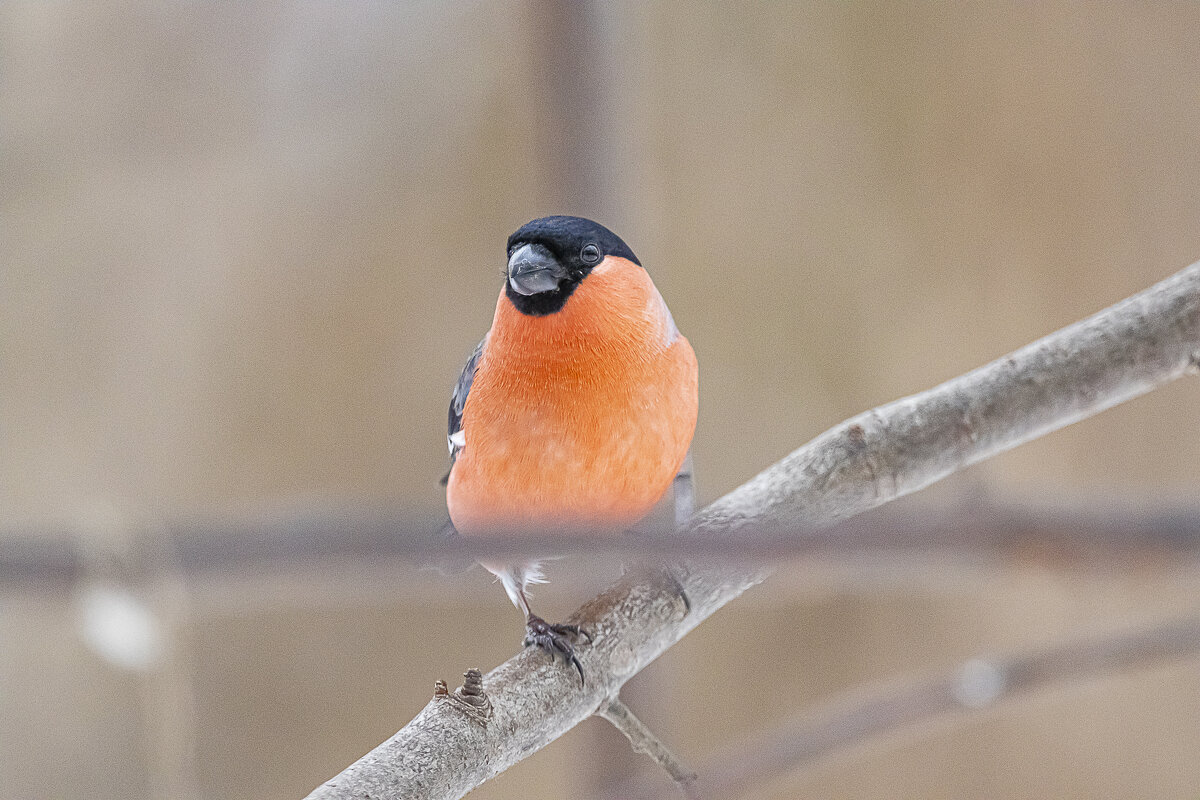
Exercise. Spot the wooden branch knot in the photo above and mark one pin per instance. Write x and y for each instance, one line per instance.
(469, 698)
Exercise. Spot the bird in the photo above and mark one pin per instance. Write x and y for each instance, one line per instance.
(576, 411)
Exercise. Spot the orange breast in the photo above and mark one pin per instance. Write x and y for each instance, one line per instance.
(577, 419)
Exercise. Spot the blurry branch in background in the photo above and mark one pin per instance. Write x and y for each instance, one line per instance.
(132, 610)
(1120, 353)
(972, 687)
(1072, 530)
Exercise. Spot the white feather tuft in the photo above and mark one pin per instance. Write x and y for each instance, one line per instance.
(517, 579)
(532, 573)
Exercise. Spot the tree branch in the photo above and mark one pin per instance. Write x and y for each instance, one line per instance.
(1097, 528)
(643, 740)
(975, 685)
(1124, 351)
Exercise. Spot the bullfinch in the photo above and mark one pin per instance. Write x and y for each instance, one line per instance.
(576, 411)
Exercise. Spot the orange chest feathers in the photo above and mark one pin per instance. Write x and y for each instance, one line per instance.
(576, 419)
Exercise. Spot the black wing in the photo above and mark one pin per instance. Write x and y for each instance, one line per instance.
(458, 401)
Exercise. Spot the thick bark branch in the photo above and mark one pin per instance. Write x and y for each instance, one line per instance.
(973, 687)
(1122, 352)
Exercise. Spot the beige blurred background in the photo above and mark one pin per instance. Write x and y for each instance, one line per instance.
(245, 248)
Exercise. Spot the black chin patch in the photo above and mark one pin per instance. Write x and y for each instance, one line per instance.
(542, 303)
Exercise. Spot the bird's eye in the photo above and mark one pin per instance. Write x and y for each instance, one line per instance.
(590, 254)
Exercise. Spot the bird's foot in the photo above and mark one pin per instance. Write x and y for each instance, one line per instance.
(555, 640)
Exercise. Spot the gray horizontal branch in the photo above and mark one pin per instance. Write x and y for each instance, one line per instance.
(1100, 529)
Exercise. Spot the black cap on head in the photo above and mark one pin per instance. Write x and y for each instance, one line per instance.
(566, 248)
(566, 237)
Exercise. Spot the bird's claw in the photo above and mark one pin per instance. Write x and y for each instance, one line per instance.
(555, 640)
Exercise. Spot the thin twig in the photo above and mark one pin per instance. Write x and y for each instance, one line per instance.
(1120, 353)
(643, 740)
(975, 685)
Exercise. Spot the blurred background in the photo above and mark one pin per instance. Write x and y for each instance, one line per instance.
(245, 249)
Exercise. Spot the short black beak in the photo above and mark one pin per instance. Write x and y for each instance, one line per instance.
(533, 269)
